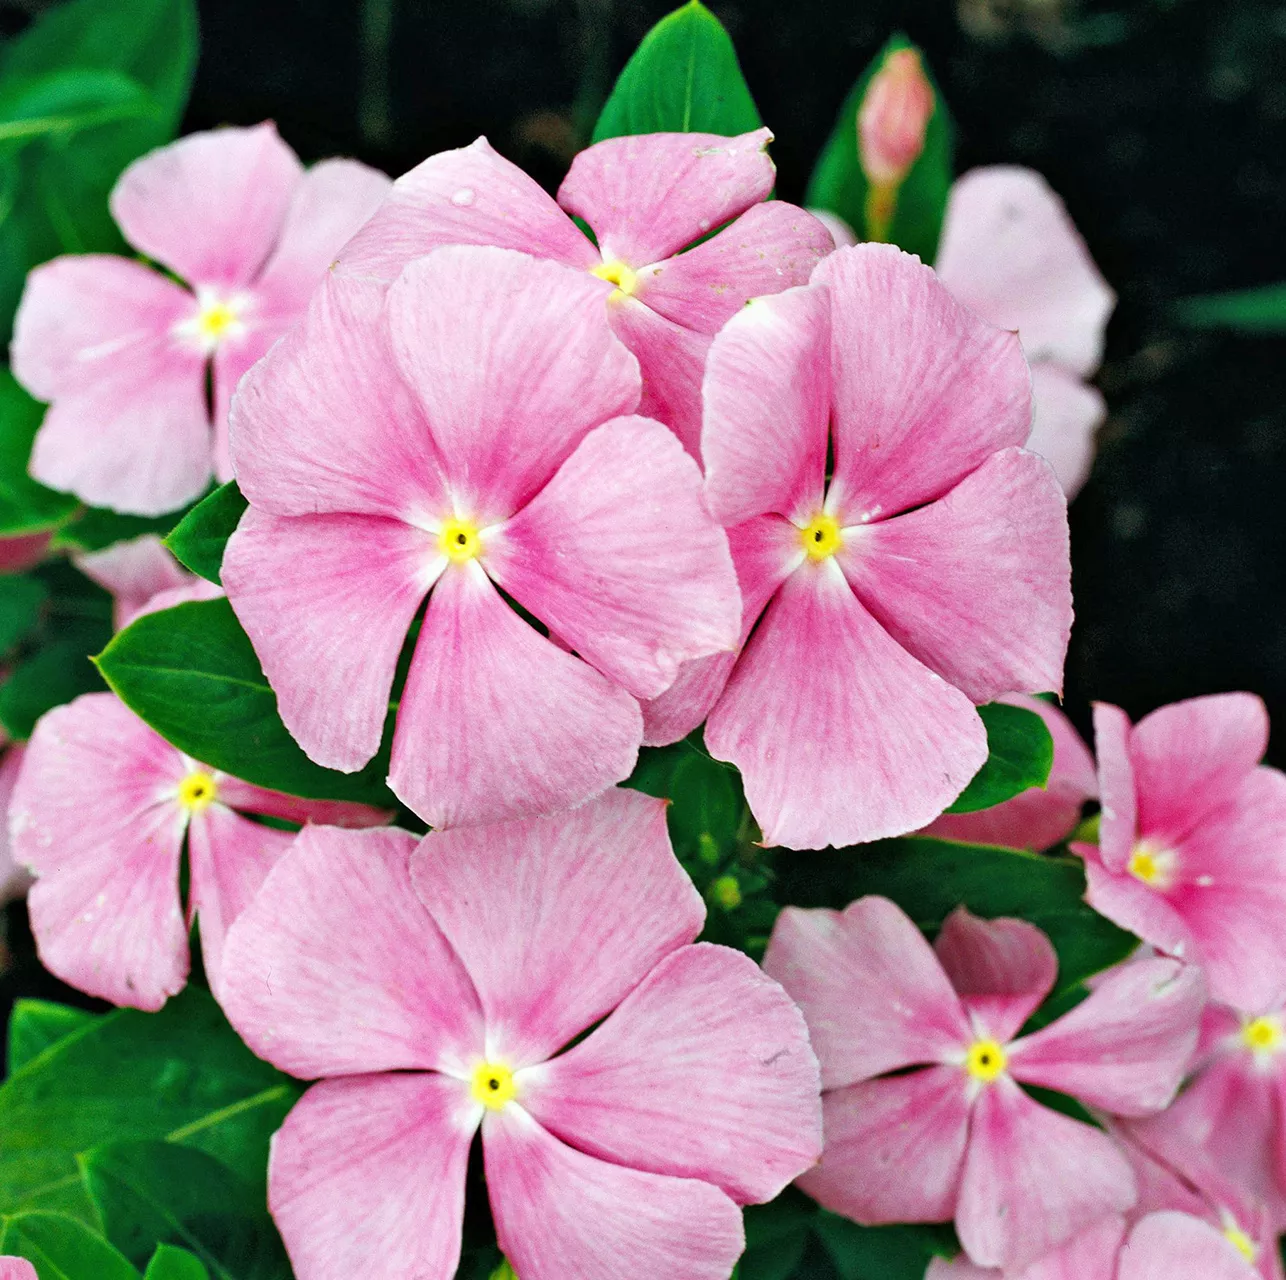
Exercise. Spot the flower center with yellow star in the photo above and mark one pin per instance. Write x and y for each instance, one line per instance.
(458, 540)
(197, 791)
(624, 278)
(985, 1060)
(1152, 865)
(1264, 1035)
(218, 317)
(493, 1085)
(821, 537)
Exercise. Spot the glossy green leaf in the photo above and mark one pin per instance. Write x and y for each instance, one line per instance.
(200, 537)
(882, 1253)
(1020, 754)
(838, 183)
(169, 1263)
(192, 674)
(34, 1025)
(61, 1248)
(21, 598)
(1261, 310)
(683, 78)
(25, 505)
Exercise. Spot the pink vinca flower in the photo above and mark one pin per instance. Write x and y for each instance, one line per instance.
(1010, 252)
(466, 430)
(929, 572)
(1192, 841)
(958, 1138)
(17, 1269)
(142, 577)
(645, 198)
(1040, 816)
(105, 908)
(437, 996)
(121, 351)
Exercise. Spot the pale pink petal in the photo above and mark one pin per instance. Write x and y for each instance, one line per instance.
(960, 1268)
(192, 590)
(1040, 816)
(771, 247)
(209, 206)
(1160, 1184)
(554, 943)
(328, 636)
(767, 409)
(325, 423)
(618, 555)
(133, 571)
(366, 1178)
(894, 1148)
(924, 391)
(105, 908)
(335, 968)
(1174, 1246)
(14, 879)
(1192, 757)
(1118, 821)
(1033, 1179)
(233, 359)
(248, 798)
(561, 1213)
(1135, 906)
(1002, 969)
(513, 361)
(867, 967)
(1068, 413)
(1010, 252)
(842, 234)
(878, 744)
(704, 1071)
(977, 585)
(1126, 1047)
(497, 722)
(468, 196)
(687, 702)
(646, 196)
(17, 1269)
(1091, 1255)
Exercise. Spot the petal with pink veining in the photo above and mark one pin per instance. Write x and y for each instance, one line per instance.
(496, 722)
(329, 637)
(1118, 821)
(869, 968)
(556, 941)
(513, 363)
(335, 968)
(210, 206)
(562, 1213)
(366, 1178)
(646, 196)
(924, 391)
(1174, 1246)
(1068, 413)
(841, 736)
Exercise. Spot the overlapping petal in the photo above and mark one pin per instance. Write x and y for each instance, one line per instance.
(1067, 414)
(1174, 1246)
(1118, 820)
(134, 571)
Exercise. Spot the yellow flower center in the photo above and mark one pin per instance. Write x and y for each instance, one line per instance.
(1242, 1243)
(617, 273)
(493, 1085)
(215, 319)
(1264, 1035)
(985, 1060)
(459, 541)
(821, 537)
(197, 791)
(1151, 865)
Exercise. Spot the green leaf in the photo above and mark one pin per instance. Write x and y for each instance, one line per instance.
(61, 1248)
(60, 104)
(169, 1263)
(34, 1025)
(52, 676)
(181, 1076)
(838, 183)
(1020, 754)
(201, 536)
(154, 1193)
(96, 528)
(192, 674)
(25, 505)
(21, 599)
(683, 78)
(776, 1236)
(882, 1253)
(1261, 310)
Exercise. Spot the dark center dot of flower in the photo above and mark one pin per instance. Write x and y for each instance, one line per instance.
(493, 1084)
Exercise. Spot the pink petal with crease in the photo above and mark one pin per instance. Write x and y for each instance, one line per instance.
(1173, 1246)
(1118, 821)
(686, 703)
(554, 943)
(248, 798)
(1068, 414)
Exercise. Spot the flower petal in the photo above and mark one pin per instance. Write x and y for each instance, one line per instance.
(247, 798)
(133, 571)
(977, 585)
(17, 1269)
(648, 195)
(366, 1178)
(618, 555)
(14, 880)
(513, 362)
(686, 703)
(1068, 413)
(1118, 822)
(767, 409)
(840, 735)
(561, 1213)
(704, 1071)
(1091, 1254)
(924, 391)
(1174, 1246)
(335, 968)
(329, 638)
(577, 909)
(1126, 1047)
(874, 995)
(1135, 906)
(497, 722)
(894, 1148)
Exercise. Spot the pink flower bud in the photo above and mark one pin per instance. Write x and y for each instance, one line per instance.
(893, 119)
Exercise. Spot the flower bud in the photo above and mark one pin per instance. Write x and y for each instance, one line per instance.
(893, 118)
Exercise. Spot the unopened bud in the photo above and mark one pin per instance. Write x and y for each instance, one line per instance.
(894, 118)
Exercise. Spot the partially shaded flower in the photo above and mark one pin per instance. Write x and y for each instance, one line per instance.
(646, 198)
(1192, 841)
(121, 351)
(105, 909)
(462, 433)
(957, 1137)
(435, 996)
(142, 577)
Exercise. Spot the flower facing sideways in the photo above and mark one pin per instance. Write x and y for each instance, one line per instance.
(435, 995)
(100, 814)
(463, 433)
(957, 1137)
(121, 352)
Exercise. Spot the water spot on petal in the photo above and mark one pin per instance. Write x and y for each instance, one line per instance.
(465, 196)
